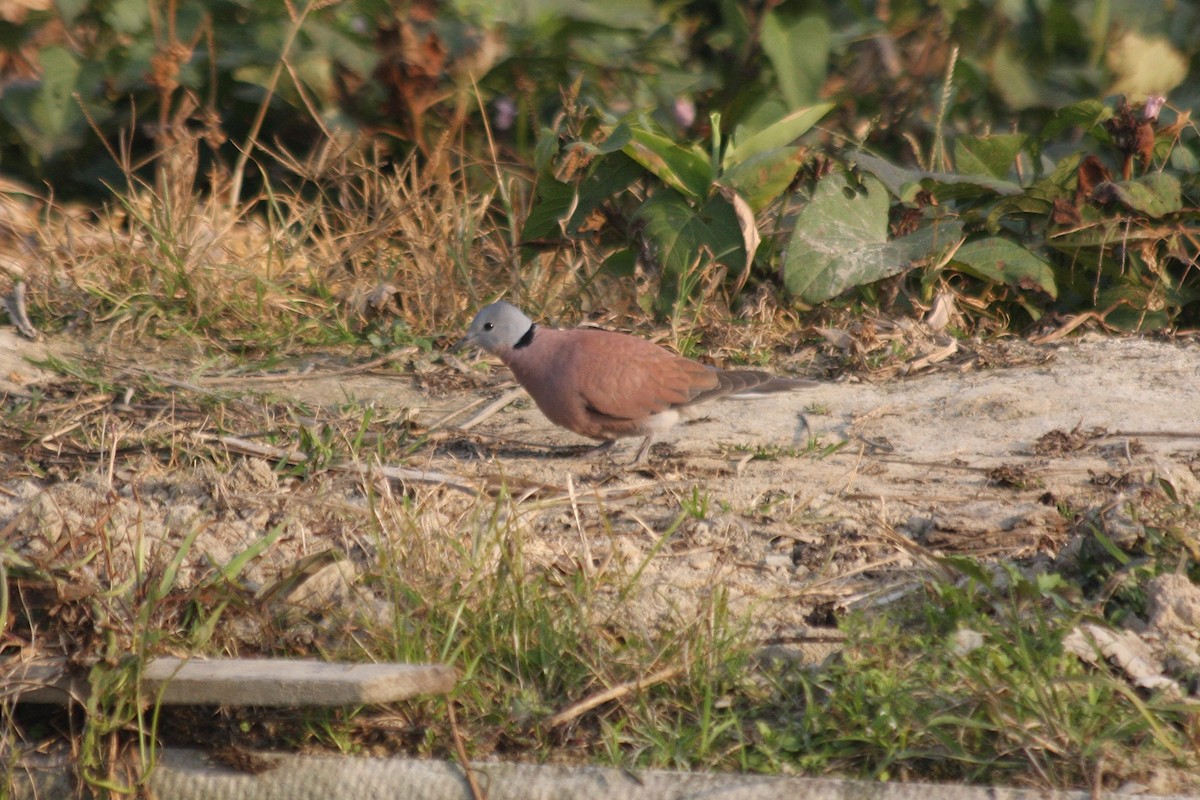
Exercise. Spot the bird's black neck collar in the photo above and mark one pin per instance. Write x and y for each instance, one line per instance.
(525, 340)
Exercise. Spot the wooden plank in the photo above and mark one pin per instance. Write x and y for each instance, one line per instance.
(241, 682)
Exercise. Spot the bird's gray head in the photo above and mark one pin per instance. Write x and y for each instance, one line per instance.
(497, 328)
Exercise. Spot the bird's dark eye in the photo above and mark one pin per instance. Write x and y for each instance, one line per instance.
(487, 326)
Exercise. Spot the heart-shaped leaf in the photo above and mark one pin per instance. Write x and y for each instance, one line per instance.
(688, 239)
(840, 241)
(1004, 261)
(990, 156)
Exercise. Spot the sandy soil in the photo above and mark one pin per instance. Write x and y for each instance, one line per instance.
(975, 461)
(806, 504)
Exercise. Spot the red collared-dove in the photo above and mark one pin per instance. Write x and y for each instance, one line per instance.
(607, 385)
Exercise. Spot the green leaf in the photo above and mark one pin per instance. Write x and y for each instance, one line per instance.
(781, 133)
(689, 239)
(545, 150)
(1184, 160)
(798, 48)
(620, 264)
(1154, 195)
(356, 53)
(128, 16)
(990, 156)
(618, 139)
(1145, 63)
(684, 168)
(316, 72)
(563, 207)
(760, 107)
(682, 232)
(1085, 115)
(555, 202)
(1011, 77)
(1004, 261)
(840, 241)
(895, 177)
(609, 176)
(1102, 234)
(234, 567)
(68, 10)
(736, 25)
(945, 185)
(1036, 202)
(46, 115)
(169, 574)
(764, 177)
(836, 239)
(1132, 309)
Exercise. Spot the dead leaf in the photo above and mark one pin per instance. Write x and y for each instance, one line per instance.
(1124, 650)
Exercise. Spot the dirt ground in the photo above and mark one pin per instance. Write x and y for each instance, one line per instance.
(976, 459)
(803, 505)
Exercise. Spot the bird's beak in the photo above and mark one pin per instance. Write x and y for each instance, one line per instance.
(461, 344)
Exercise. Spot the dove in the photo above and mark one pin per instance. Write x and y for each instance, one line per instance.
(606, 385)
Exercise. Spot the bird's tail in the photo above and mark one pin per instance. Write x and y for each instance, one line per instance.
(751, 383)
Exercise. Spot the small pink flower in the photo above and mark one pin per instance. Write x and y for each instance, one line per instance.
(1154, 105)
(685, 112)
(504, 113)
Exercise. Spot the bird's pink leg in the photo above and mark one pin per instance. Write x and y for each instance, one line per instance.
(643, 451)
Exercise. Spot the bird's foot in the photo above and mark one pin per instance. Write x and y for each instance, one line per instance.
(599, 449)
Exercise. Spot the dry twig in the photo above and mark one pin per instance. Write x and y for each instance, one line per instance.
(615, 693)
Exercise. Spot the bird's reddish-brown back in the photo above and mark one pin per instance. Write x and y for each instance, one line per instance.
(575, 376)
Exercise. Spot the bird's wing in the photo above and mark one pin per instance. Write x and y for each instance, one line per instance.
(624, 377)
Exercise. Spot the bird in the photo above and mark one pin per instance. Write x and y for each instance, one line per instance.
(606, 385)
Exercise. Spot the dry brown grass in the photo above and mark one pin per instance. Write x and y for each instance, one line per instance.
(342, 243)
